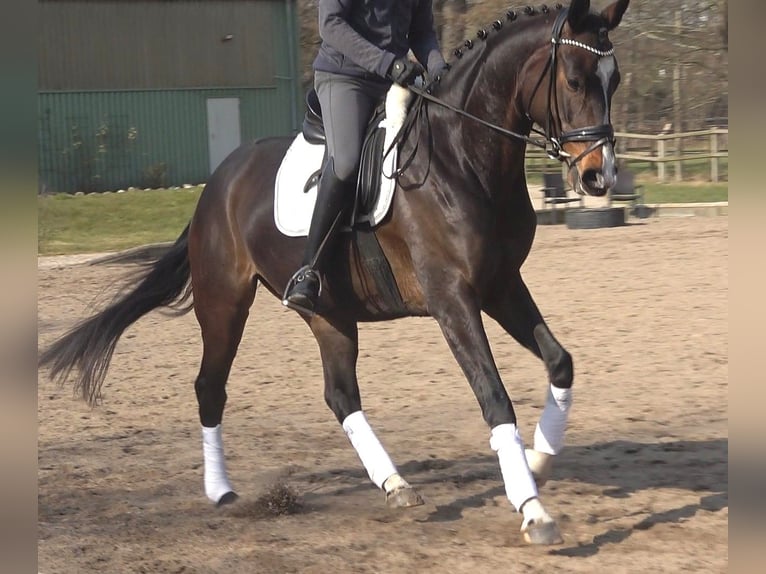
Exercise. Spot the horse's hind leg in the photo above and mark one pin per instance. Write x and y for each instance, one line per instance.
(222, 306)
(338, 345)
(515, 310)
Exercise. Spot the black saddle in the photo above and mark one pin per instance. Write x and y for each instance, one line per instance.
(371, 161)
(313, 129)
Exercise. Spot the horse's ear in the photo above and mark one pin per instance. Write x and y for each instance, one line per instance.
(578, 10)
(613, 13)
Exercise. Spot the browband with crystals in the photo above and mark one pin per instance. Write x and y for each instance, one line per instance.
(570, 42)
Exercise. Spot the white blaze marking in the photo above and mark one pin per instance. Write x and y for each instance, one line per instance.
(606, 68)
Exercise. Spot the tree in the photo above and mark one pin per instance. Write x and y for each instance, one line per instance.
(653, 48)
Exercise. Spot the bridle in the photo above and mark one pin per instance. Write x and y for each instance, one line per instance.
(554, 139)
(599, 135)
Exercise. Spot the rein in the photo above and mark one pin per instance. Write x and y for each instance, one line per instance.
(426, 95)
(599, 135)
(417, 108)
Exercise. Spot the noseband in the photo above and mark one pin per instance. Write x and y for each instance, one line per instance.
(599, 135)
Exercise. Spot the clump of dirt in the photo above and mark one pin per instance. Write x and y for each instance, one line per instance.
(280, 499)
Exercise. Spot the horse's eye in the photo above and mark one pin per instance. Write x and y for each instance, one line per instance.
(574, 83)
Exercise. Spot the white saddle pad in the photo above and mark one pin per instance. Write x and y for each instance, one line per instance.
(293, 207)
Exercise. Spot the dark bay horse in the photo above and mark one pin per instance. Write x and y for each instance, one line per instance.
(460, 227)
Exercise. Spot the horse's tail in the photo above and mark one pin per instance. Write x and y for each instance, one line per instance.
(88, 346)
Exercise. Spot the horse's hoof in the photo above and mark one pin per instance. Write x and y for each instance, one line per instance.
(540, 464)
(543, 533)
(403, 498)
(227, 498)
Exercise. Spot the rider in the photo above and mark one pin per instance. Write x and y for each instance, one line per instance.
(364, 48)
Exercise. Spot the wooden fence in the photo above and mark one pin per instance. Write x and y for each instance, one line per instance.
(692, 155)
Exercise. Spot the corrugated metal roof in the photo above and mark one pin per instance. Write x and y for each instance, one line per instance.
(145, 44)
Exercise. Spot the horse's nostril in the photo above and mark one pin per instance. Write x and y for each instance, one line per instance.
(594, 183)
(590, 177)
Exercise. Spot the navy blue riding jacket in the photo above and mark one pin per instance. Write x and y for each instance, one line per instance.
(363, 37)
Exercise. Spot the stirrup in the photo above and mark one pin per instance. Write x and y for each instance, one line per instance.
(301, 275)
(297, 277)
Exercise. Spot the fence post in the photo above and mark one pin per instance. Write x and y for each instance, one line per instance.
(661, 160)
(679, 153)
(714, 156)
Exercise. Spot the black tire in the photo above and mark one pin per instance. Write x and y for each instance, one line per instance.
(595, 217)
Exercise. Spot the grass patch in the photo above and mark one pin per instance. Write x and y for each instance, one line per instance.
(685, 192)
(99, 222)
(112, 221)
(691, 169)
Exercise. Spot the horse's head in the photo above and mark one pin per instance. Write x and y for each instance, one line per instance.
(568, 88)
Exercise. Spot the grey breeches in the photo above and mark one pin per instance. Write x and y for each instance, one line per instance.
(347, 105)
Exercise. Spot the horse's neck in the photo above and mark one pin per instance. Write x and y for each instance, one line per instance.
(484, 83)
(490, 70)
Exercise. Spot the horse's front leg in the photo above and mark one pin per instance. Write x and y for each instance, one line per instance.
(512, 306)
(339, 348)
(456, 308)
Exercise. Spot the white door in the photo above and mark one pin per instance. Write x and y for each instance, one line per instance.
(222, 128)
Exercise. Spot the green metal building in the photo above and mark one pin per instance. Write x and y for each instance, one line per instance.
(153, 93)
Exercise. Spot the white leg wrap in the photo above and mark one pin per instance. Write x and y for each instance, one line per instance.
(372, 454)
(519, 484)
(549, 433)
(534, 512)
(395, 482)
(216, 481)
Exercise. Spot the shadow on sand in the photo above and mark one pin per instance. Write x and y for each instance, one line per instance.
(621, 467)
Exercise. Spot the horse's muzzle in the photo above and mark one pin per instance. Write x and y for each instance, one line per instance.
(589, 176)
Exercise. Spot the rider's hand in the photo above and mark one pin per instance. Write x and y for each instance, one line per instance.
(404, 71)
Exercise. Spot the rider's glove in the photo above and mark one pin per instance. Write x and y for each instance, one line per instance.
(404, 71)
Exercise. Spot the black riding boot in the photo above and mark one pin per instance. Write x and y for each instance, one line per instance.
(304, 287)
